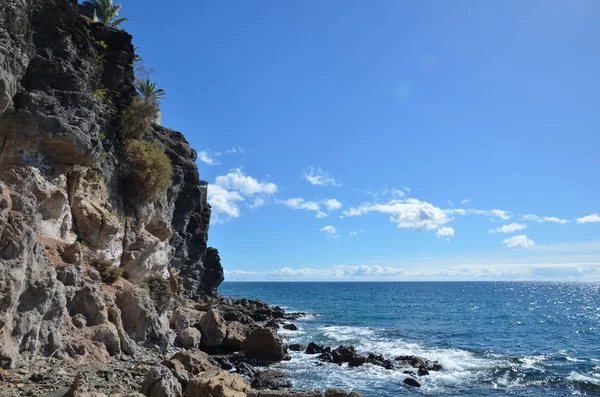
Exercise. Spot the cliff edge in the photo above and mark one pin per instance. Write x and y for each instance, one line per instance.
(68, 215)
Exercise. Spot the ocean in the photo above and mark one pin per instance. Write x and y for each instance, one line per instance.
(492, 338)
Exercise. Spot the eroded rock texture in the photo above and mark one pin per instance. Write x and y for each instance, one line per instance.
(65, 210)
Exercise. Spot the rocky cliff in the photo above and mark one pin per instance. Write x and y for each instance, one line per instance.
(67, 213)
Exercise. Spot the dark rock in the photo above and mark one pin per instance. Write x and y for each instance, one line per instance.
(411, 382)
(291, 327)
(272, 324)
(420, 362)
(270, 379)
(422, 372)
(314, 348)
(296, 347)
(357, 361)
(379, 360)
(265, 344)
(245, 369)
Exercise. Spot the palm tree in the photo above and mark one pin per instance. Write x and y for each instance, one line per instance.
(106, 12)
(148, 91)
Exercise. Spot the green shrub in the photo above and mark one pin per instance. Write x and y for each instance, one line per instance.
(101, 95)
(150, 170)
(137, 119)
(159, 290)
(108, 272)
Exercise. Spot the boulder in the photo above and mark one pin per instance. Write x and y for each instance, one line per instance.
(138, 314)
(291, 327)
(270, 379)
(193, 361)
(411, 382)
(296, 347)
(107, 335)
(341, 393)
(216, 383)
(314, 348)
(272, 324)
(189, 338)
(184, 317)
(213, 328)
(265, 344)
(236, 335)
(160, 382)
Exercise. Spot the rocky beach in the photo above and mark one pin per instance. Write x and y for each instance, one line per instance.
(108, 288)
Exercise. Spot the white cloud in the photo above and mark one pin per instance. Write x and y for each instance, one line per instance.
(206, 158)
(247, 185)
(541, 219)
(318, 177)
(332, 204)
(589, 219)
(500, 214)
(465, 201)
(411, 213)
(228, 191)
(329, 229)
(519, 241)
(511, 228)
(321, 214)
(480, 271)
(331, 232)
(445, 231)
(237, 150)
(224, 203)
(301, 204)
(355, 233)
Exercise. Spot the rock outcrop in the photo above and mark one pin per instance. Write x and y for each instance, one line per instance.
(67, 217)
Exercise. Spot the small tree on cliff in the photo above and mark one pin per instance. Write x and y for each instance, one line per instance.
(105, 11)
(148, 91)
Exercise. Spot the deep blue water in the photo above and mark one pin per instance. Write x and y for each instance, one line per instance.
(493, 338)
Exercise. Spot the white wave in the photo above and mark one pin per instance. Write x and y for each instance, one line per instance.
(577, 377)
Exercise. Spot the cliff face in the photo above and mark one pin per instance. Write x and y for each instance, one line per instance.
(64, 204)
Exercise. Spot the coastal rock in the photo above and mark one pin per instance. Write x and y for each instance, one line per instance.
(189, 338)
(270, 379)
(314, 348)
(291, 327)
(419, 362)
(265, 344)
(192, 361)
(184, 317)
(138, 313)
(236, 335)
(216, 383)
(378, 359)
(160, 382)
(343, 354)
(296, 347)
(341, 393)
(273, 324)
(411, 382)
(213, 328)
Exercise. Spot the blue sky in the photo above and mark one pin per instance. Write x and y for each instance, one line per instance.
(388, 140)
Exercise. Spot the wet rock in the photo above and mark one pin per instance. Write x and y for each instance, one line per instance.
(189, 338)
(216, 383)
(379, 360)
(357, 361)
(160, 382)
(296, 347)
(245, 369)
(341, 393)
(291, 327)
(419, 362)
(411, 382)
(314, 348)
(213, 328)
(270, 379)
(265, 344)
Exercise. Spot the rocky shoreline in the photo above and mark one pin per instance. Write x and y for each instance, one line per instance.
(218, 347)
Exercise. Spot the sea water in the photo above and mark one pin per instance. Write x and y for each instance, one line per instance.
(492, 338)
